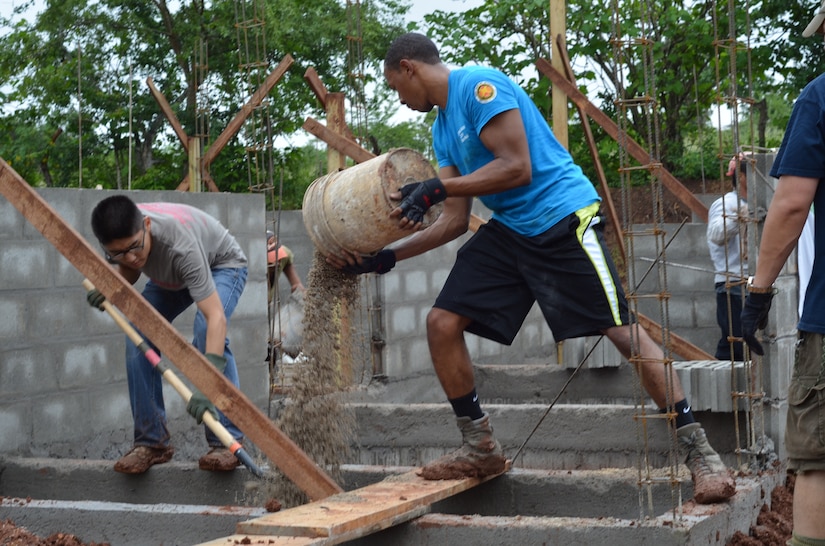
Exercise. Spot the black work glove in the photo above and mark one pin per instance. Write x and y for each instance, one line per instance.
(95, 298)
(418, 197)
(199, 404)
(380, 263)
(755, 317)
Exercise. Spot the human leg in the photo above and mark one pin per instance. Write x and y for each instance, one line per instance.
(712, 481)
(805, 436)
(723, 345)
(151, 436)
(229, 284)
(809, 504)
(480, 454)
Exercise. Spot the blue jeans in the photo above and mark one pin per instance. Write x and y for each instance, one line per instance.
(145, 382)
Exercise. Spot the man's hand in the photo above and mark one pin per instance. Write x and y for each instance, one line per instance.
(199, 404)
(380, 263)
(418, 197)
(755, 317)
(95, 298)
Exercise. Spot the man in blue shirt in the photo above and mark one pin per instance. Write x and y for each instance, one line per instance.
(544, 244)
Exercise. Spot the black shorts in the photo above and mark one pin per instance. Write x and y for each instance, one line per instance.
(498, 274)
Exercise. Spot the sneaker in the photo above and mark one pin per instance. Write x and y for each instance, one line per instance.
(712, 481)
(219, 459)
(479, 456)
(140, 458)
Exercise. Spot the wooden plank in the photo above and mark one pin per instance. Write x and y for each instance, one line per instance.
(633, 148)
(168, 113)
(269, 540)
(354, 514)
(294, 463)
(340, 143)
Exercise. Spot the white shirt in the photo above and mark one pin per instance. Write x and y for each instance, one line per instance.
(724, 226)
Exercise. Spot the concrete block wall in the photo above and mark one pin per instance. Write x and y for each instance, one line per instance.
(63, 389)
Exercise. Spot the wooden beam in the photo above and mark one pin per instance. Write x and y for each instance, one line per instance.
(344, 145)
(169, 114)
(633, 148)
(320, 90)
(294, 463)
(354, 514)
(246, 110)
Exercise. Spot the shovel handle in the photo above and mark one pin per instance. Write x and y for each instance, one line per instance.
(154, 358)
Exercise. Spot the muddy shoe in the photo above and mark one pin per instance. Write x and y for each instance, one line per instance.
(712, 481)
(479, 456)
(219, 459)
(140, 458)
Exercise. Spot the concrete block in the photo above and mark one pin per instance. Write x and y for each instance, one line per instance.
(11, 221)
(403, 321)
(27, 371)
(82, 365)
(20, 258)
(415, 285)
(12, 316)
(60, 417)
(56, 312)
(114, 397)
(15, 425)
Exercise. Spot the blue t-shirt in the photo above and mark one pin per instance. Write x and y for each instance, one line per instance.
(803, 154)
(558, 187)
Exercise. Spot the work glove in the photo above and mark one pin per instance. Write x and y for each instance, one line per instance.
(418, 197)
(379, 263)
(755, 317)
(199, 404)
(95, 298)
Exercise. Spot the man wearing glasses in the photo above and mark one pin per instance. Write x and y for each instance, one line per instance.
(189, 257)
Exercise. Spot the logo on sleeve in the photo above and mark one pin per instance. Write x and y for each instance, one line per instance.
(485, 92)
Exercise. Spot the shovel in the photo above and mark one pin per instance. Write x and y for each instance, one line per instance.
(208, 419)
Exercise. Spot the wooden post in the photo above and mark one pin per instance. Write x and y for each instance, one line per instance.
(194, 164)
(558, 27)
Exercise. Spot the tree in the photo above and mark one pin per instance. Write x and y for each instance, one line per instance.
(73, 70)
(684, 68)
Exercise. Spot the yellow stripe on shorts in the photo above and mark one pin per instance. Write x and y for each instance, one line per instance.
(589, 242)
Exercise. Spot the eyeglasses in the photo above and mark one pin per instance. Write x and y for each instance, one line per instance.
(137, 247)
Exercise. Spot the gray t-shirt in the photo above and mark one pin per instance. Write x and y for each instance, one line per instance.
(187, 244)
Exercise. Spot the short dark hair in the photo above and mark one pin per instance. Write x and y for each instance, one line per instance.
(116, 217)
(412, 46)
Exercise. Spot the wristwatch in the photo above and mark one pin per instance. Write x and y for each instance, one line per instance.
(759, 289)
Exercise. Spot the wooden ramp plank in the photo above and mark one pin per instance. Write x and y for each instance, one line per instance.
(350, 515)
(268, 540)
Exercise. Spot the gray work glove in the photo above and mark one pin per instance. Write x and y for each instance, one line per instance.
(199, 403)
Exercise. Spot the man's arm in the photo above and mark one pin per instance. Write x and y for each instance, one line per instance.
(212, 310)
(293, 278)
(786, 217)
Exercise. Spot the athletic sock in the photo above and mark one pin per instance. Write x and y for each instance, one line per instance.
(684, 415)
(467, 406)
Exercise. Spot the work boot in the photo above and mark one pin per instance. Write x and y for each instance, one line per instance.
(140, 458)
(479, 456)
(712, 481)
(219, 459)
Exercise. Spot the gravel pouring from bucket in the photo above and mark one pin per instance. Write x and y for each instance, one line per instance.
(208, 419)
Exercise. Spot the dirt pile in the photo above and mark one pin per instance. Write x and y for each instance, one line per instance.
(12, 535)
(773, 525)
